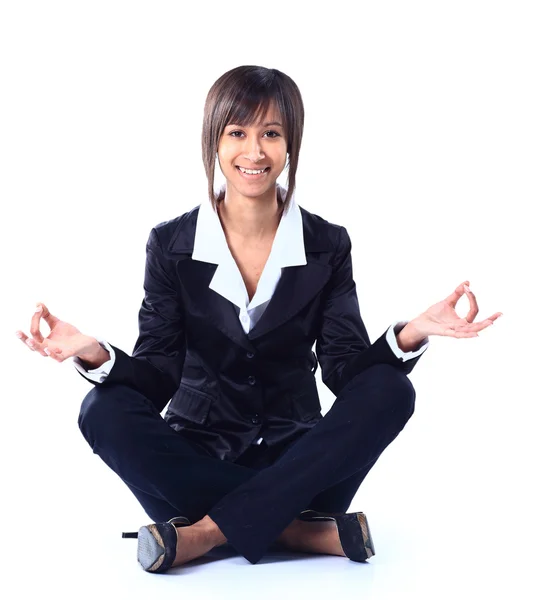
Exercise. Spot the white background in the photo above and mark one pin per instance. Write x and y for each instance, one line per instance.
(419, 138)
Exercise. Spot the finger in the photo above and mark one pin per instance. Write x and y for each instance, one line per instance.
(473, 327)
(34, 324)
(50, 319)
(55, 353)
(41, 311)
(24, 339)
(481, 324)
(31, 343)
(459, 334)
(453, 298)
(473, 306)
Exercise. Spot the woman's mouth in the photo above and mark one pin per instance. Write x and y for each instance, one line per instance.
(253, 173)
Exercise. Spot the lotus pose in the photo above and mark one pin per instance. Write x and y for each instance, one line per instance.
(238, 291)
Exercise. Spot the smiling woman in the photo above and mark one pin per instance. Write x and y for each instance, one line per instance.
(253, 120)
(238, 292)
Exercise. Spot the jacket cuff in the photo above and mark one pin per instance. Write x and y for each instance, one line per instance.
(395, 328)
(99, 374)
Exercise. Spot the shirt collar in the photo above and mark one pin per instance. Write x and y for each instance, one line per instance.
(288, 248)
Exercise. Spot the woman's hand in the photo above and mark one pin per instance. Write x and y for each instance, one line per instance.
(442, 319)
(63, 341)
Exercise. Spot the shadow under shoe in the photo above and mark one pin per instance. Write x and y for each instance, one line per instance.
(157, 544)
(354, 532)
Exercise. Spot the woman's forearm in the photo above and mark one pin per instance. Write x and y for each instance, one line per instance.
(96, 357)
(409, 338)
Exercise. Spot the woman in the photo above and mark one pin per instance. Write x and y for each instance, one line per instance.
(237, 292)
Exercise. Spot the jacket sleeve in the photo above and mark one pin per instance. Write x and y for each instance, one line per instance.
(343, 346)
(99, 374)
(155, 367)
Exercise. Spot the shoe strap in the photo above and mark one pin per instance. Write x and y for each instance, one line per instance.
(178, 521)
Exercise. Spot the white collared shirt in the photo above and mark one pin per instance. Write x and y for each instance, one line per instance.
(288, 249)
(210, 245)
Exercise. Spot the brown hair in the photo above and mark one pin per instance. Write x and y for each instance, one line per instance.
(241, 96)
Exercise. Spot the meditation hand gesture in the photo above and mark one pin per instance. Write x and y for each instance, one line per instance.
(63, 341)
(442, 319)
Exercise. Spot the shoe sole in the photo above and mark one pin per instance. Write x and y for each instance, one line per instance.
(365, 531)
(151, 549)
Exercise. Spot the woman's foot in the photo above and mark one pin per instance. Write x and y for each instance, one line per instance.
(196, 540)
(320, 537)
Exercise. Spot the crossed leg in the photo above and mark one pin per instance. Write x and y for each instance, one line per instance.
(171, 475)
(229, 502)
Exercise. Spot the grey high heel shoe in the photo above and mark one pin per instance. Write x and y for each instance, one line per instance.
(157, 544)
(354, 532)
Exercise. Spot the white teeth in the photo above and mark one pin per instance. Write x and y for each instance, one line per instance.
(251, 171)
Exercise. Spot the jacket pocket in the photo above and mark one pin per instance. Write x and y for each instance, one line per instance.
(306, 403)
(191, 404)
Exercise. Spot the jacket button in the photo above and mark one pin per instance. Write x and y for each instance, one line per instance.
(251, 380)
(255, 419)
(250, 354)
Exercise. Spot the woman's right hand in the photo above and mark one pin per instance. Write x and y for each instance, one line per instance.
(63, 341)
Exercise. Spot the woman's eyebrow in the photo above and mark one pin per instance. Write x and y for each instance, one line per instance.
(264, 125)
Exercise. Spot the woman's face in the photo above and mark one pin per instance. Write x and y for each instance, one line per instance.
(261, 146)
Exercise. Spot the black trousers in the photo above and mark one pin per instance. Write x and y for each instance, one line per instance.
(255, 498)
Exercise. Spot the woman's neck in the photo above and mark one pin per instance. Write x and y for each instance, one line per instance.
(250, 219)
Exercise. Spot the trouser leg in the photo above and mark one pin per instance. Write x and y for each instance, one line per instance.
(338, 497)
(169, 474)
(365, 418)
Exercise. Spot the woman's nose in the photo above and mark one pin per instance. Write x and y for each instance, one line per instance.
(254, 151)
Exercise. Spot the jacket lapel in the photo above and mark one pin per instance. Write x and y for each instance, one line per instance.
(297, 287)
(300, 284)
(196, 277)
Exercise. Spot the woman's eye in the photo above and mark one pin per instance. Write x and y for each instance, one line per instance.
(275, 134)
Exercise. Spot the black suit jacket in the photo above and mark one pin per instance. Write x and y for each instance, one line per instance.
(228, 387)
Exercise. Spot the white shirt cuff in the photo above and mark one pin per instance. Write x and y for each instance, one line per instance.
(395, 328)
(100, 373)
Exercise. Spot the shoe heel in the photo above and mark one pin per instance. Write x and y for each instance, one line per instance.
(354, 534)
(129, 534)
(367, 539)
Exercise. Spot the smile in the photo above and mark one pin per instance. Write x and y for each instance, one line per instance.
(253, 173)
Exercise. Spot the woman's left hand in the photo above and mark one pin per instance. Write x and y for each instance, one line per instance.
(442, 319)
